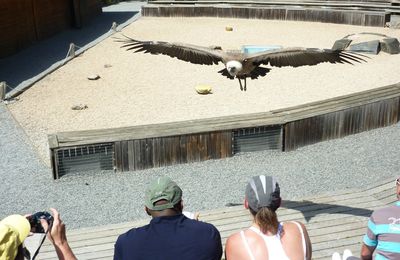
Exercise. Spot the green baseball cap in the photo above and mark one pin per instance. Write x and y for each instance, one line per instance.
(163, 188)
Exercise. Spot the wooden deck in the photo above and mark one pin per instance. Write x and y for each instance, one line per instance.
(335, 221)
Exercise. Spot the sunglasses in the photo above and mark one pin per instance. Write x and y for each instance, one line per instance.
(398, 181)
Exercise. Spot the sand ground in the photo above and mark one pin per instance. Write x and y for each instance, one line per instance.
(136, 88)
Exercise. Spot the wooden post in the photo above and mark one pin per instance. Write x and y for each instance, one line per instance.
(71, 51)
(3, 87)
(53, 144)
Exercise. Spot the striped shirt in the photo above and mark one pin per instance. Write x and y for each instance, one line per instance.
(384, 232)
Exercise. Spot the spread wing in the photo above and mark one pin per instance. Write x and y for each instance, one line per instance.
(186, 52)
(296, 57)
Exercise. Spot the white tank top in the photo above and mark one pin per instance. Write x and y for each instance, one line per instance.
(273, 243)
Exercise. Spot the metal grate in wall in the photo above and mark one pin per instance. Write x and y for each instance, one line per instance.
(257, 139)
(84, 158)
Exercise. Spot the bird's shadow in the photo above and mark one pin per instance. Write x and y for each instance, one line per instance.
(310, 209)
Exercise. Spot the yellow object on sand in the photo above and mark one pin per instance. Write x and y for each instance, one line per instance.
(203, 89)
(228, 28)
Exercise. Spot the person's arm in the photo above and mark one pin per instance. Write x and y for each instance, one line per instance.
(370, 240)
(308, 242)
(117, 250)
(366, 252)
(57, 236)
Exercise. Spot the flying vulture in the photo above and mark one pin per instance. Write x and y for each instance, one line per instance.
(238, 64)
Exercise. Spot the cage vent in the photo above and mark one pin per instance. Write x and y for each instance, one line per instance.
(257, 139)
(84, 158)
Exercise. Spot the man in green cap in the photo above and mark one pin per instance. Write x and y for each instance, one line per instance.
(170, 234)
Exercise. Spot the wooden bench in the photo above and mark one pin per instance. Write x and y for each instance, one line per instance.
(335, 221)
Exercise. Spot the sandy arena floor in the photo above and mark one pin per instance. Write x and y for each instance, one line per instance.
(144, 89)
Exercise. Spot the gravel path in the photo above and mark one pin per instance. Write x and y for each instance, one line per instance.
(98, 198)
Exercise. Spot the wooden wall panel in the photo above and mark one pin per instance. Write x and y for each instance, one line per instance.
(163, 151)
(342, 123)
(52, 16)
(16, 26)
(26, 21)
(117, 156)
(315, 14)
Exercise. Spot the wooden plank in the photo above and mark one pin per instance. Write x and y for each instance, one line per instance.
(156, 152)
(53, 141)
(17, 22)
(131, 155)
(226, 144)
(51, 16)
(183, 149)
(118, 156)
(138, 162)
(148, 152)
(191, 148)
(202, 145)
(124, 156)
(54, 164)
(3, 90)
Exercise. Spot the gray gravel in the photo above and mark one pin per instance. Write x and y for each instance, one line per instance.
(98, 198)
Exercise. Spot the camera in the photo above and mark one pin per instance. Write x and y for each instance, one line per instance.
(36, 225)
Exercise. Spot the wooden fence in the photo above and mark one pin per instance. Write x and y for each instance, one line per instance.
(163, 151)
(341, 123)
(366, 13)
(147, 146)
(27, 21)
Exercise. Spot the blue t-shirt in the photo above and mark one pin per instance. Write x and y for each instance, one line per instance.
(172, 237)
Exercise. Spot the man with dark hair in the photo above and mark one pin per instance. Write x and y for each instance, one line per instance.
(170, 234)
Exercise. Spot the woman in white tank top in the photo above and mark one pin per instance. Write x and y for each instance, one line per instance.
(267, 238)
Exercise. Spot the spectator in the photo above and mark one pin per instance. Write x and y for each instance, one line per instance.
(267, 238)
(170, 234)
(383, 233)
(15, 229)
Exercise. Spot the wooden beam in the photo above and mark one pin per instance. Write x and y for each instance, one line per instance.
(3, 89)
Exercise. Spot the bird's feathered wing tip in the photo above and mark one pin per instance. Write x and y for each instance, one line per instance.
(296, 57)
(186, 52)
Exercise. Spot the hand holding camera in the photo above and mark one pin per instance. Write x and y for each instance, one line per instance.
(52, 225)
(36, 221)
